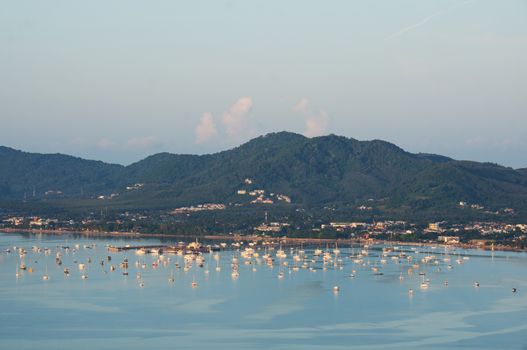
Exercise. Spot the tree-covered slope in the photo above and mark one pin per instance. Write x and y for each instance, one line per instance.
(314, 172)
(22, 174)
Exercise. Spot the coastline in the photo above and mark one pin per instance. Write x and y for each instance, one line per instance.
(283, 240)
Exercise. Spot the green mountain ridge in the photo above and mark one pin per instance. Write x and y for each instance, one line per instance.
(315, 172)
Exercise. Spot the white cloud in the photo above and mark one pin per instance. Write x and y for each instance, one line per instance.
(206, 129)
(105, 143)
(301, 106)
(142, 142)
(316, 122)
(235, 118)
(79, 141)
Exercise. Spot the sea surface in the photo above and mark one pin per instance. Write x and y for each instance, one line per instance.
(258, 310)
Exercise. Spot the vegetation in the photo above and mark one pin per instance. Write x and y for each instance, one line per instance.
(329, 177)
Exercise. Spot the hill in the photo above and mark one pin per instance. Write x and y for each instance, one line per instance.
(328, 171)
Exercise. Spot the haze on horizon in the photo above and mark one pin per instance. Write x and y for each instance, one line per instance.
(117, 81)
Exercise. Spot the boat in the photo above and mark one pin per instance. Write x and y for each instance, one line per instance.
(424, 284)
(45, 277)
(336, 251)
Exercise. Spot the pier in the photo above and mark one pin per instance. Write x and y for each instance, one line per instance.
(170, 249)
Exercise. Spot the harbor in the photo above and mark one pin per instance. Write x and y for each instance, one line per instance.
(257, 287)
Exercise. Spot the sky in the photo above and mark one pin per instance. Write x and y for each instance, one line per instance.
(118, 80)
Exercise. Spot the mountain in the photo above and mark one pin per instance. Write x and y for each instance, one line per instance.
(315, 172)
(22, 174)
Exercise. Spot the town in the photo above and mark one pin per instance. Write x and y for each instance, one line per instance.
(204, 219)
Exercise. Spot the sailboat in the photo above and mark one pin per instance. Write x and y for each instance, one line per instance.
(424, 285)
(46, 276)
(336, 251)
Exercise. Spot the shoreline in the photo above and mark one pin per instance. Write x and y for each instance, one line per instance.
(286, 241)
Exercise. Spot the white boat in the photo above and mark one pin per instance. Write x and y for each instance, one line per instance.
(424, 284)
(336, 251)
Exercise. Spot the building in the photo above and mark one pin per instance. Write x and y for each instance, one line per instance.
(434, 227)
(448, 239)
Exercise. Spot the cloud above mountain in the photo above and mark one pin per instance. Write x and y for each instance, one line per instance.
(235, 118)
(206, 128)
(316, 123)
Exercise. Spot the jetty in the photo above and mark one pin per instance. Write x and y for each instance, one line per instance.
(168, 249)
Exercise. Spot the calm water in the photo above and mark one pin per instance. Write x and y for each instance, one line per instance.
(258, 310)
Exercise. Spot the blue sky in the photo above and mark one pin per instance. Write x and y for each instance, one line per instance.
(119, 80)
